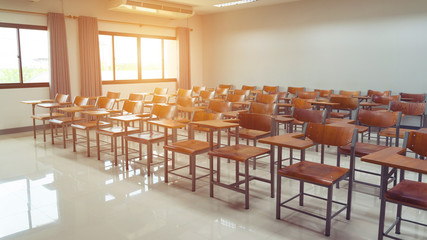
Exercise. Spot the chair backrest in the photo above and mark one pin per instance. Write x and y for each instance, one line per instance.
(381, 118)
(225, 86)
(266, 98)
(204, 116)
(104, 102)
(304, 115)
(197, 89)
(417, 142)
(164, 111)
(221, 91)
(408, 108)
(270, 89)
(414, 97)
(242, 92)
(185, 101)
(255, 121)
(184, 92)
(114, 95)
(349, 93)
(301, 103)
(80, 101)
(136, 97)
(262, 108)
(160, 91)
(132, 107)
(324, 93)
(294, 90)
(244, 87)
(160, 99)
(331, 135)
(345, 103)
(61, 98)
(384, 100)
(379, 93)
(307, 95)
(236, 98)
(219, 106)
(206, 95)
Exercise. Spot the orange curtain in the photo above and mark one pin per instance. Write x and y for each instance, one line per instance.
(90, 65)
(184, 73)
(59, 69)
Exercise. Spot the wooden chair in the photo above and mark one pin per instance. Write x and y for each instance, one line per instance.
(219, 107)
(307, 95)
(192, 148)
(347, 104)
(60, 99)
(236, 101)
(136, 97)
(411, 109)
(184, 92)
(229, 87)
(407, 193)
(160, 91)
(114, 95)
(411, 97)
(205, 97)
(303, 115)
(294, 90)
(379, 93)
(384, 100)
(221, 93)
(266, 98)
(324, 93)
(262, 108)
(64, 122)
(102, 103)
(131, 107)
(197, 90)
(150, 137)
(250, 88)
(157, 99)
(246, 92)
(349, 93)
(204, 116)
(270, 89)
(320, 174)
(185, 106)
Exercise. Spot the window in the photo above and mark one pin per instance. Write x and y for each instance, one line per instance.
(24, 56)
(131, 58)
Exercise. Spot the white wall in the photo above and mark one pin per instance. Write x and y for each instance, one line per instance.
(10, 98)
(328, 44)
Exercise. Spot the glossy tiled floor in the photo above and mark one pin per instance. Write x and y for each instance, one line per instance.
(47, 192)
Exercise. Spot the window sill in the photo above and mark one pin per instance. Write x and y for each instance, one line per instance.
(23, 85)
(138, 81)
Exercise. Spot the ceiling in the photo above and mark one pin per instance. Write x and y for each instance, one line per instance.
(202, 7)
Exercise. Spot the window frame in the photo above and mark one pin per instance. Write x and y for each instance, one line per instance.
(140, 79)
(21, 83)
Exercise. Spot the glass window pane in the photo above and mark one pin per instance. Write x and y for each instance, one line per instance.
(126, 58)
(34, 56)
(151, 58)
(9, 64)
(106, 55)
(171, 61)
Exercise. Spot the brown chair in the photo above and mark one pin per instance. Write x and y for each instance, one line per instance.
(130, 107)
(413, 109)
(251, 88)
(406, 193)
(197, 90)
(266, 98)
(262, 108)
(204, 116)
(102, 103)
(349, 93)
(150, 137)
(307, 95)
(302, 116)
(59, 98)
(384, 100)
(160, 91)
(413, 97)
(270, 89)
(184, 92)
(294, 90)
(347, 104)
(114, 95)
(136, 97)
(229, 87)
(184, 115)
(242, 92)
(64, 122)
(236, 101)
(320, 174)
(324, 93)
(157, 99)
(219, 107)
(192, 148)
(205, 97)
(379, 93)
(301, 103)
(221, 93)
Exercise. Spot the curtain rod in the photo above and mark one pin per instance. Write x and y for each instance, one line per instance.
(102, 20)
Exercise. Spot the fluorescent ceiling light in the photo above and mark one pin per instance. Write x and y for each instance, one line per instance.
(234, 3)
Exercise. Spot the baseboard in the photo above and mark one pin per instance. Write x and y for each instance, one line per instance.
(19, 130)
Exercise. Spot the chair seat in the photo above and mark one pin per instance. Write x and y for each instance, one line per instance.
(188, 147)
(315, 173)
(89, 125)
(46, 116)
(64, 120)
(116, 130)
(409, 193)
(146, 137)
(339, 114)
(391, 132)
(339, 120)
(238, 152)
(297, 122)
(182, 120)
(251, 133)
(361, 149)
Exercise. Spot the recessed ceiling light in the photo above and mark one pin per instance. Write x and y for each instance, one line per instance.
(234, 3)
